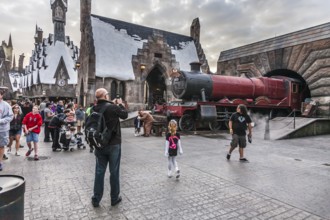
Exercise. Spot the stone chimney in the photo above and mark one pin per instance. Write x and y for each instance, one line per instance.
(195, 66)
(38, 35)
(20, 63)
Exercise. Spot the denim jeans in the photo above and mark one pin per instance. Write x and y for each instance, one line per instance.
(111, 155)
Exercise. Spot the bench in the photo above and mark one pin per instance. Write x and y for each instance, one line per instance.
(159, 125)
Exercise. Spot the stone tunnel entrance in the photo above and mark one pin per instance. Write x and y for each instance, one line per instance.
(156, 89)
(289, 73)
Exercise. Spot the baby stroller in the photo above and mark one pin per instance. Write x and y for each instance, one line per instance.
(69, 139)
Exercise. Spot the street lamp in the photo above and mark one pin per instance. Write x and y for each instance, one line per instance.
(142, 68)
(15, 83)
(77, 64)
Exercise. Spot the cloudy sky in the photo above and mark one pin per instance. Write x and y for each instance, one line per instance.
(225, 24)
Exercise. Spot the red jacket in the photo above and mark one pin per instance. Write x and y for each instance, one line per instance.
(31, 120)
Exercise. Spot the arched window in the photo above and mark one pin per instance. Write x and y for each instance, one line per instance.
(122, 90)
(113, 90)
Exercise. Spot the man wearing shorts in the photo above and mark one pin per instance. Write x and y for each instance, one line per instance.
(80, 116)
(6, 115)
(31, 125)
(239, 122)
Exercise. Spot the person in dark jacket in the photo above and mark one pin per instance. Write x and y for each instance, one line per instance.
(60, 107)
(111, 153)
(26, 107)
(54, 127)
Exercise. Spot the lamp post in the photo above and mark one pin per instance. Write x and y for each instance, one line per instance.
(77, 64)
(143, 93)
(142, 68)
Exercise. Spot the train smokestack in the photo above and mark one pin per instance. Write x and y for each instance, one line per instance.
(195, 66)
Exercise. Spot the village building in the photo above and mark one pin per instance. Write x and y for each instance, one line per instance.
(132, 61)
(52, 73)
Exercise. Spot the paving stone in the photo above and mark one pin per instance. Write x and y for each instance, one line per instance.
(272, 186)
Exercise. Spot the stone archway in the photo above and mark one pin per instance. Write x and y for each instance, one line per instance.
(291, 74)
(156, 87)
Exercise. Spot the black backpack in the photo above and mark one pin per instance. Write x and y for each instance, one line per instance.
(97, 133)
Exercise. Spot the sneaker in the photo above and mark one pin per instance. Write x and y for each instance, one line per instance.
(228, 156)
(243, 160)
(0, 166)
(250, 139)
(29, 152)
(177, 174)
(169, 173)
(117, 201)
(36, 157)
(9, 150)
(95, 203)
(17, 153)
(5, 157)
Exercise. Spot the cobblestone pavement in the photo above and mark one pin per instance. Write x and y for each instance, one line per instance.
(287, 179)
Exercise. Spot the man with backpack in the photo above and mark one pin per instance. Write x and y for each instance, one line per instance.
(110, 152)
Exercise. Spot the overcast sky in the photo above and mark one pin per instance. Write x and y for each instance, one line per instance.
(225, 24)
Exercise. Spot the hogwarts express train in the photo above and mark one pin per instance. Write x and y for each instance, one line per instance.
(212, 99)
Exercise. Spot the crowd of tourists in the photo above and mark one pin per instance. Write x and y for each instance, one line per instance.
(26, 118)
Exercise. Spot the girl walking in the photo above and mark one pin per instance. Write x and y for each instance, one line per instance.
(172, 147)
(15, 129)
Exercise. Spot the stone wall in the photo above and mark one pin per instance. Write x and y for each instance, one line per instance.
(305, 52)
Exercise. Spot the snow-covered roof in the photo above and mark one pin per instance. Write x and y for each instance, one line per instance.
(63, 1)
(117, 41)
(46, 58)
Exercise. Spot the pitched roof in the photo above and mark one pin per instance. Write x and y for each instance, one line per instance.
(63, 1)
(45, 60)
(117, 41)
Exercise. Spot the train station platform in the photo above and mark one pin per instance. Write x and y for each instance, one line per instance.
(293, 127)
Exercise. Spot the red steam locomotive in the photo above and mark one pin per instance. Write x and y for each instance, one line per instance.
(213, 98)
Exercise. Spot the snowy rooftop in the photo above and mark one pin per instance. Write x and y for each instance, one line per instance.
(117, 41)
(46, 58)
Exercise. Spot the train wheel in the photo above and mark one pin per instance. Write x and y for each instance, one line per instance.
(186, 123)
(215, 125)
